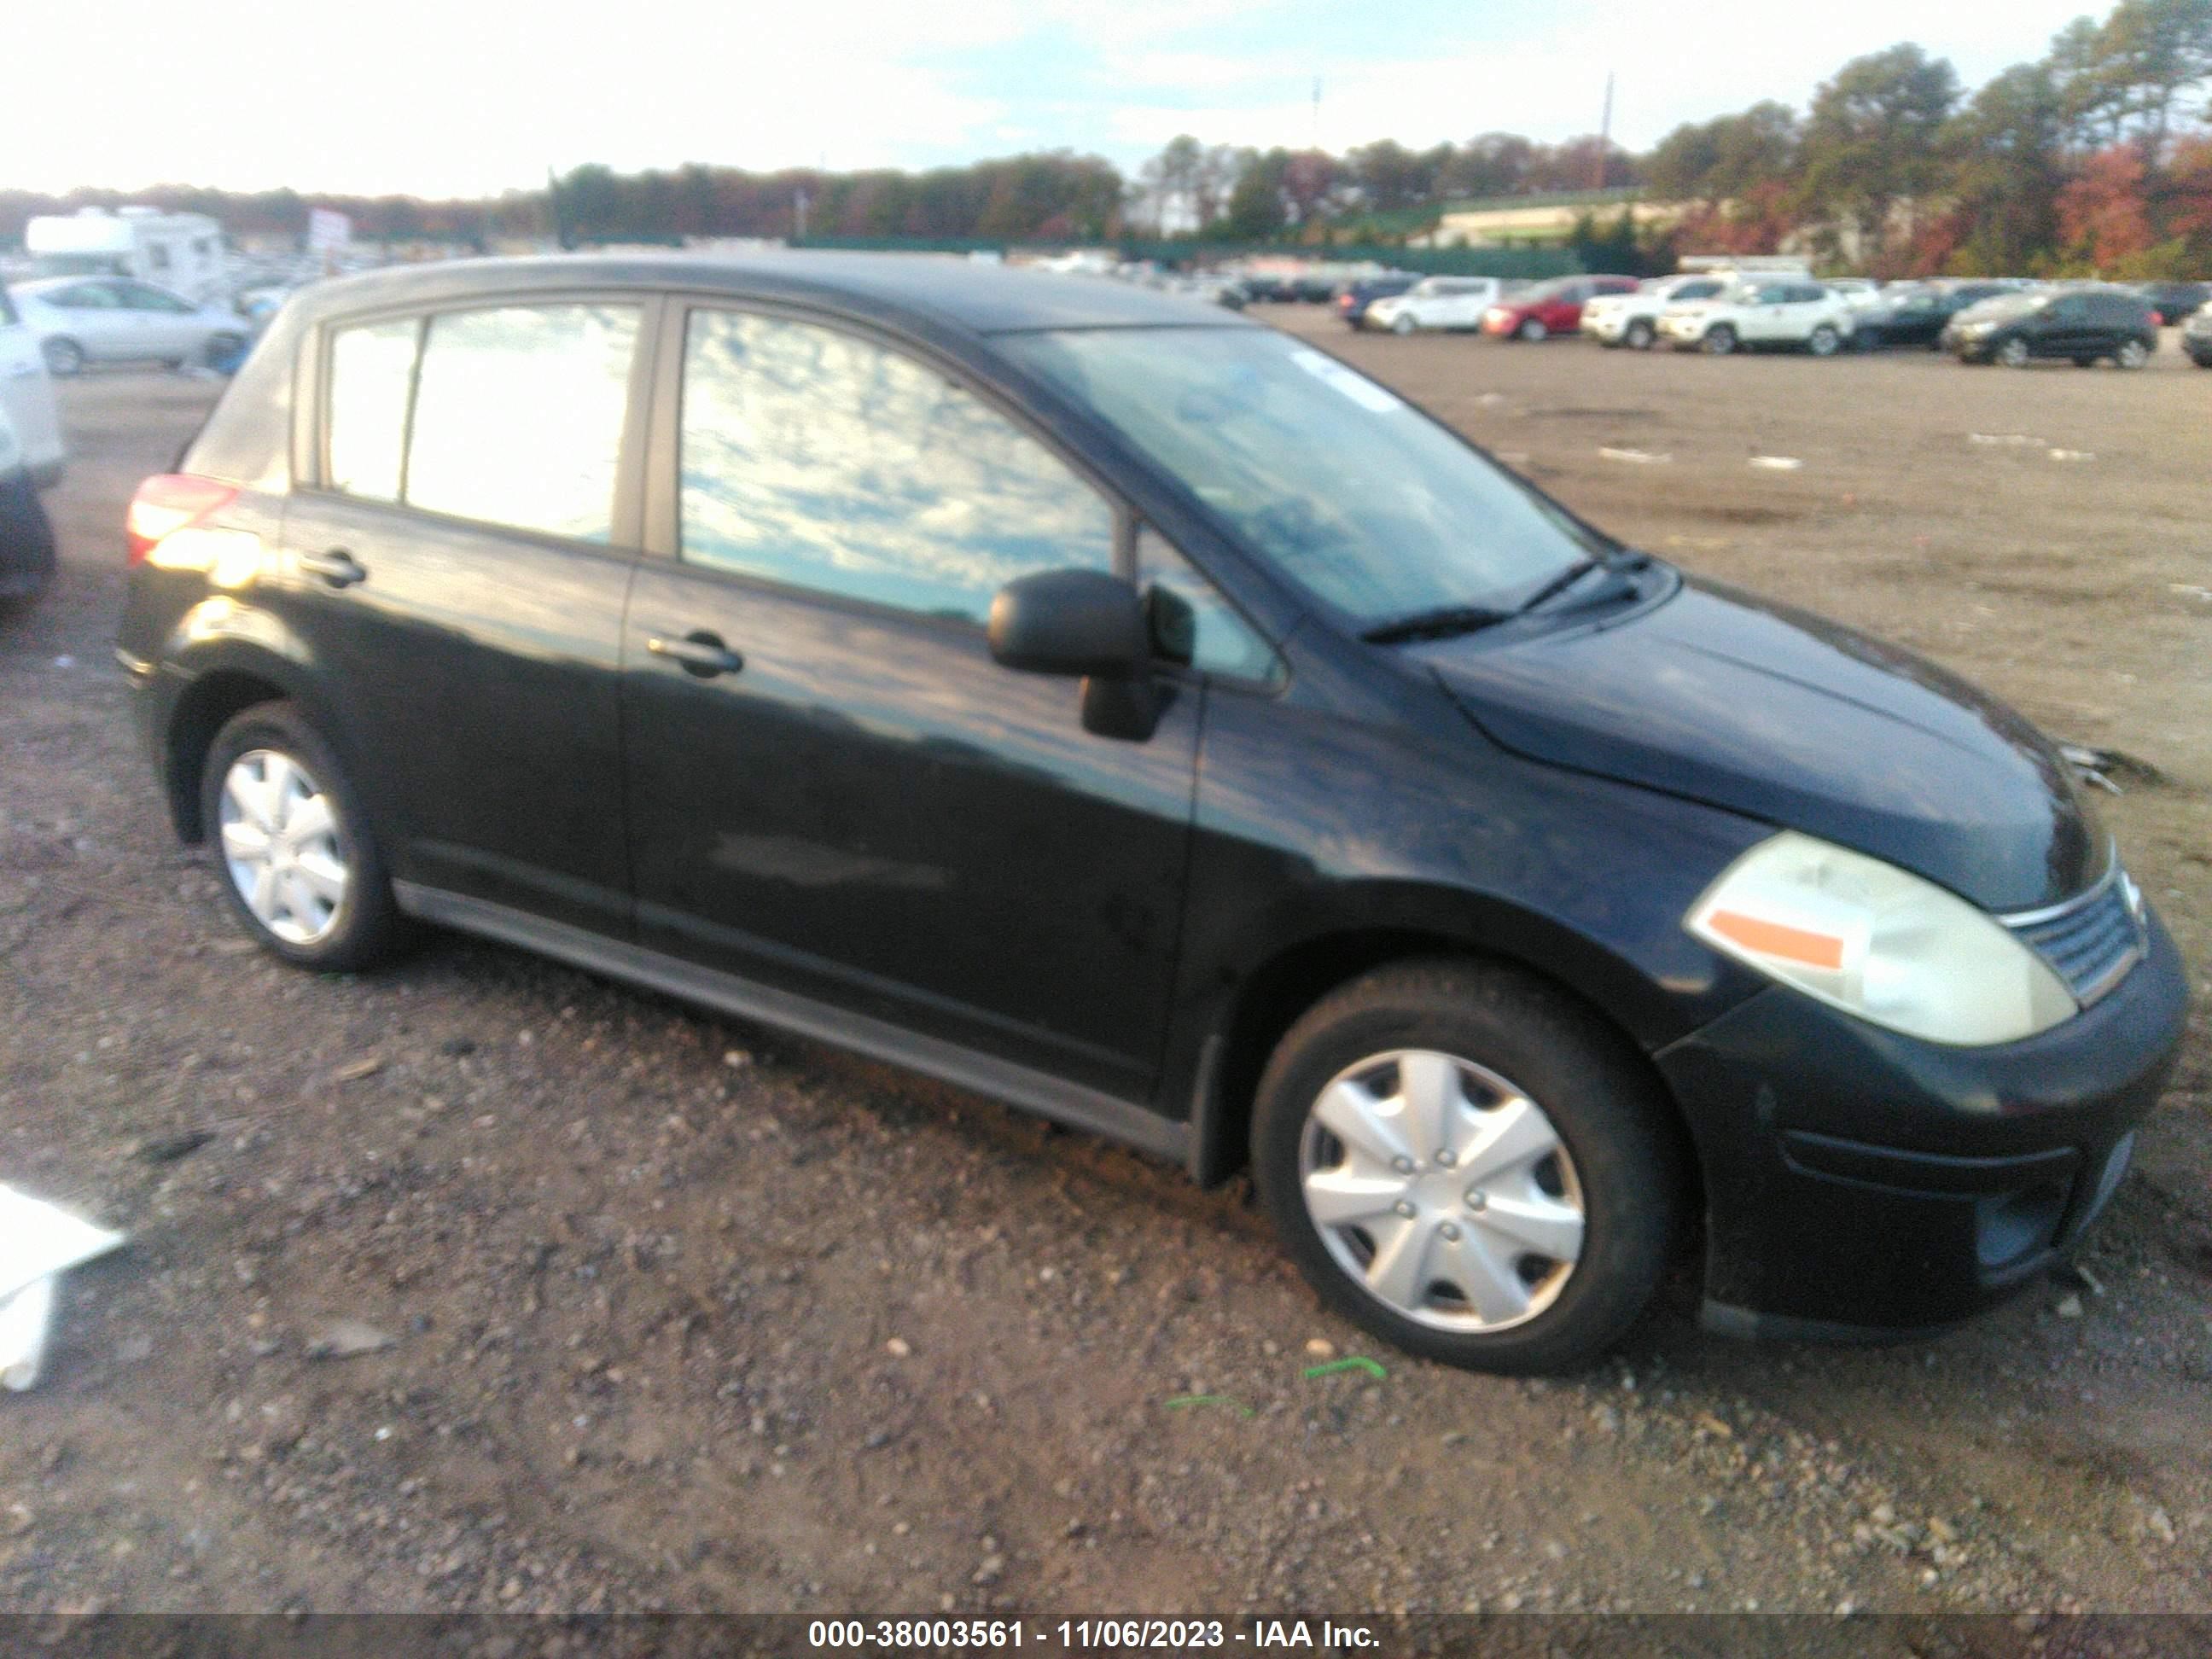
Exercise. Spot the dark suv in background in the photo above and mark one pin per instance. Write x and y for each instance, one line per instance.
(2085, 324)
(1116, 705)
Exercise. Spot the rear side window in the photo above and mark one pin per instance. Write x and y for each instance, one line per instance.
(1697, 291)
(515, 416)
(372, 374)
(812, 458)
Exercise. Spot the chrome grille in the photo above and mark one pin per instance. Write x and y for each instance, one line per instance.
(2091, 941)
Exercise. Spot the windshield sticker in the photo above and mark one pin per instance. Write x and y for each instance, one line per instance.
(1354, 385)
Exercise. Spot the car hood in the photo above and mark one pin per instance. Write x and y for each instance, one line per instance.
(1723, 697)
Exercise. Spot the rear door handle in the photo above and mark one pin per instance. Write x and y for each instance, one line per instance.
(698, 653)
(336, 567)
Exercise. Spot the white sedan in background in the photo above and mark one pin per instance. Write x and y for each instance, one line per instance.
(113, 319)
(1761, 312)
(1437, 302)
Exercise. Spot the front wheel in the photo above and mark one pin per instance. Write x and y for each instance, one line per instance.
(1401, 325)
(1824, 341)
(1468, 1165)
(1640, 335)
(2132, 353)
(1720, 340)
(1533, 330)
(2013, 354)
(291, 845)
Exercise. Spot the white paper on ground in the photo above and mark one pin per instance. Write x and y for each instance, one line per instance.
(38, 1243)
(23, 1320)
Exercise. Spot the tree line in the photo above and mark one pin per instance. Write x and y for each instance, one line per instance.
(2095, 157)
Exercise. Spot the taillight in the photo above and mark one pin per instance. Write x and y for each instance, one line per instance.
(167, 503)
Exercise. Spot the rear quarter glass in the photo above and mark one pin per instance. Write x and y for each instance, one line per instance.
(246, 438)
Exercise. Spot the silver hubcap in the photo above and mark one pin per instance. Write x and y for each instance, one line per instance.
(1443, 1190)
(2013, 354)
(2132, 355)
(281, 845)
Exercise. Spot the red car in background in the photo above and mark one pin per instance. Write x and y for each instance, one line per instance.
(1552, 307)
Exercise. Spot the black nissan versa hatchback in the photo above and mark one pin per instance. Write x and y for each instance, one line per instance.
(1117, 707)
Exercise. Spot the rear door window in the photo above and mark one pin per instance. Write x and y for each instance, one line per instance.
(816, 459)
(518, 415)
(371, 375)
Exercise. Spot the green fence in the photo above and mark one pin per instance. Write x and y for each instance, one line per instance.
(1534, 262)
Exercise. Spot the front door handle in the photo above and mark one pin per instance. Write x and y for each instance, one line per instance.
(698, 653)
(338, 567)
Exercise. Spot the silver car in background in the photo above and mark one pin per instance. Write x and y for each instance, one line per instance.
(79, 320)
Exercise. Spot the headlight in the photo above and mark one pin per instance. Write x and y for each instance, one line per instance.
(1866, 937)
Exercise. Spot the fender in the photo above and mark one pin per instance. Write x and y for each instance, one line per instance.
(221, 636)
(1342, 932)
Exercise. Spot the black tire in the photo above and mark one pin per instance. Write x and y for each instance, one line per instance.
(1720, 340)
(1619, 1133)
(65, 357)
(2085, 362)
(1640, 336)
(366, 927)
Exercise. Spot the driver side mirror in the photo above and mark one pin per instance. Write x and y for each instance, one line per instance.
(1082, 623)
(1069, 622)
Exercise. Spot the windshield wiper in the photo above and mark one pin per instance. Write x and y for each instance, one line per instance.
(1437, 625)
(1560, 583)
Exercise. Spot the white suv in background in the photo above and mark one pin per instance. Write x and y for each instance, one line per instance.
(26, 396)
(1632, 319)
(1437, 302)
(1761, 311)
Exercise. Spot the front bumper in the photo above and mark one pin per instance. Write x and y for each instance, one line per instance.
(1861, 1183)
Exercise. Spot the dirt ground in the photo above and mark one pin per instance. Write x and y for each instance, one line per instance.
(682, 1314)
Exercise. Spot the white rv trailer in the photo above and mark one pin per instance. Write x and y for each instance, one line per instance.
(180, 251)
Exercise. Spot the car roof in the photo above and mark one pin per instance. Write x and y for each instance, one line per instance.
(947, 291)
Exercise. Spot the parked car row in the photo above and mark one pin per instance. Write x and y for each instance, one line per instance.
(2005, 320)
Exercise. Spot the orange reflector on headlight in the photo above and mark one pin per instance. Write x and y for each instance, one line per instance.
(1772, 938)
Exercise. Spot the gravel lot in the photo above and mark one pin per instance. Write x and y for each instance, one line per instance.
(667, 1312)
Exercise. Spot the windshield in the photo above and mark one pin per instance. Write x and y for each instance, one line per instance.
(1361, 499)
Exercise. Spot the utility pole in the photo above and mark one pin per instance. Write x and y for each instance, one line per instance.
(1604, 137)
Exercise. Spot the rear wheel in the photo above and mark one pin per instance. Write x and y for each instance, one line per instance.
(63, 357)
(2085, 362)
(2132, 353)
(1823, 340)
(1640, 335)
(1720, 340)
(1532, 329)
(1466, 1163)
(291, 845)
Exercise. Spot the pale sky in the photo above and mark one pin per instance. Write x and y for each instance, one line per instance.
(459, 97)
